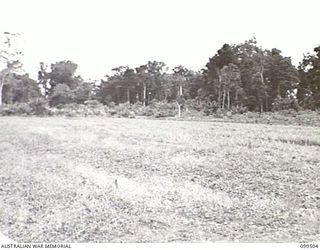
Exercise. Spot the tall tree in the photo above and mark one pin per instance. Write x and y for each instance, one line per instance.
(21, 89)
(155, 72)
(150, 79)
(180, 74)
(60, 82)
(231, 85)
(309, 86)
(126, 78)
(213, 74)
(282, 75)
(9, 58)
(143, 82)
(120, 87)
(252, 64)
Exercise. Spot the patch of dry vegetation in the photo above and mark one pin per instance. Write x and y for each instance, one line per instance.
(175, 181)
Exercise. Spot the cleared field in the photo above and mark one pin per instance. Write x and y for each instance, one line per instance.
(134, 180)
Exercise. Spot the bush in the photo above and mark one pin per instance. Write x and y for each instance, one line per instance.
(285, 104)
(74, 109)
(72, 106)
(155, 109)
(39, 106)
(123, 110)
(92, 103)
(163, 108)
(112, 105)
(16, 109)
(210, 107)
(146, 111)
(160, 114)
(62, 94)
(192, 104)
(23, 108)
(239, 110)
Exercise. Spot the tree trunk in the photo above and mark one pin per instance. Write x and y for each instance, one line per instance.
(117, 96)
(3, 77)
(219, 90)
(148, 98)
(128, 95)
(237, 102)
(261, 70)
(179, 110)
(180, 90)
(261, 74)
(262, 79)
(267, 106)
(261, 107)
(1, 87)
(223, 99)
(219, 98)
(144, 94)
(228, 95)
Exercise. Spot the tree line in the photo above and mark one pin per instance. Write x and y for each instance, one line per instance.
(237, 77)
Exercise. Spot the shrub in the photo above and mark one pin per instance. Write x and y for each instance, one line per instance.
(192, 104)
(146, 111)
(123, 110)
(210, 107)
(36, 106)
(239, 110)
(92, 103)
(62, 94)
(285, 103)
(163, 108)
(112, 105)
(16, 109)
(160, 114)
(218, 114)
(39, 106)
(155, 109)
(71, 106)
(23, 108)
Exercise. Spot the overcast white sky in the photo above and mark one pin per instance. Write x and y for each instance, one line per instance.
(99, 35)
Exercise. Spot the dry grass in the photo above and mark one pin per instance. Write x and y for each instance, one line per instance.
(176, 181)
